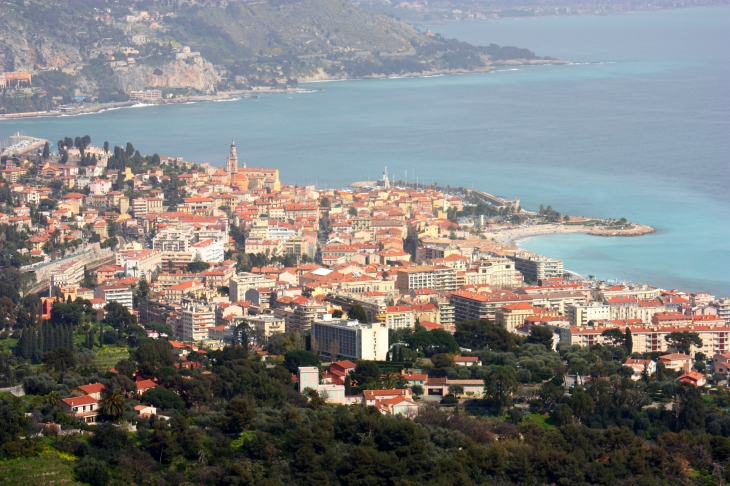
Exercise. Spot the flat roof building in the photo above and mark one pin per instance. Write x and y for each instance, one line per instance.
(351, 339)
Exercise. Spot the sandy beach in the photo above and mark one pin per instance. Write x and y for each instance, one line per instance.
(511, 236)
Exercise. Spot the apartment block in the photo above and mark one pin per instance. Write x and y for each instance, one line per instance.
(351, 339)
(67, 274)
(536, 267)
(115, 293)
(582, 314)
(196, 319)
(498, 273)
(244, 281)
(267, 324)
(174, 238)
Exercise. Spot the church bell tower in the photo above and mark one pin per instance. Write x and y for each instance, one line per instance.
(232, 162)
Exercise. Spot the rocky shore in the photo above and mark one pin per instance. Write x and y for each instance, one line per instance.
(635, 230)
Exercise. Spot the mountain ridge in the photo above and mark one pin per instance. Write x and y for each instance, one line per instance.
(99, 51)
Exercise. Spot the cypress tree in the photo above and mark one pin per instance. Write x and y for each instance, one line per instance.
(400, 354)
(348, 385)
(67, 338)
(47, 339)
(629, 341)
(24, 344)
(387, 356)
(37, 339)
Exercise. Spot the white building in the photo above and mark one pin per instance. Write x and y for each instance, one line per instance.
(100, 186)
(69, 273)
(174, 238)
(581, 314)
(115, 293)
(308, 377)
(351, 339)
(209, 250)
(139, 262)
(196, 319)
(244, 281)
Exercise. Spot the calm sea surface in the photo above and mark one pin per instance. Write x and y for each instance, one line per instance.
(638, 127)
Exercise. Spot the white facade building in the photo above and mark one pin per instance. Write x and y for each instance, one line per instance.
(351, 339)
(115, 293)
(208, 250)
(196, 319)
(581, 314)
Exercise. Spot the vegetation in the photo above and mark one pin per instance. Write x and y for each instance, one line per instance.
(271, 43)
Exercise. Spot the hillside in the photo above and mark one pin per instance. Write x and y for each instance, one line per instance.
(92, 50)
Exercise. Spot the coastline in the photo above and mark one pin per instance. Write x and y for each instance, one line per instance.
(513, 237)
(231, 95)
(100, 107)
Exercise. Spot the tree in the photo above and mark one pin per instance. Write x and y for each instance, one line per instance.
(541, 335)
(300, 357)
(499, 386)
(119, 317)
(614, 336)
(456, 389)
(483, 334)
(46, 150)
(683, 341)
(238, 416)
(367, 374)
(92, 471)
(563, 415)
(582, 404)
(112, 404)
(197, 266)
(348, 385)
(629, 341)
(162, 398)
(357, 312)
(60, 359)
(417, 389)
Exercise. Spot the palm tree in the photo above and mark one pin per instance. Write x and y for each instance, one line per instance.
(112, 405)
(389, 381)
(53, 398)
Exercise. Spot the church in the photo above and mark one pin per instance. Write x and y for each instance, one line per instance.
(248, 177)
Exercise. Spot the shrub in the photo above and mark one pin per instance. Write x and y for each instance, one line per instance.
(92, 471)
(449, 400)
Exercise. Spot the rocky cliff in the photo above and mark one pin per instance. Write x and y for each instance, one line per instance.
(196, 73)
(24, 48)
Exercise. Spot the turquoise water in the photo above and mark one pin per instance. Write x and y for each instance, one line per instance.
(637, 128)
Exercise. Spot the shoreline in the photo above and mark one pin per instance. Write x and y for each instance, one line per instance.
(101, 107)
(514, 237)
(232, 95)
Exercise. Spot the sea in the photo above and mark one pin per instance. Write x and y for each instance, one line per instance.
(636, 126)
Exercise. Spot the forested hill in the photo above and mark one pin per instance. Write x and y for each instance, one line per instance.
(102, 49)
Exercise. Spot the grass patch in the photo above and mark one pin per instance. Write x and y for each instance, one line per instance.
(543, 420)
(245, 437)
(48, 468)
(591, 222)
(7, 345)
(109, 356)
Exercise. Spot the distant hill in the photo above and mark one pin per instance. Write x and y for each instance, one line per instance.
(100, 51)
